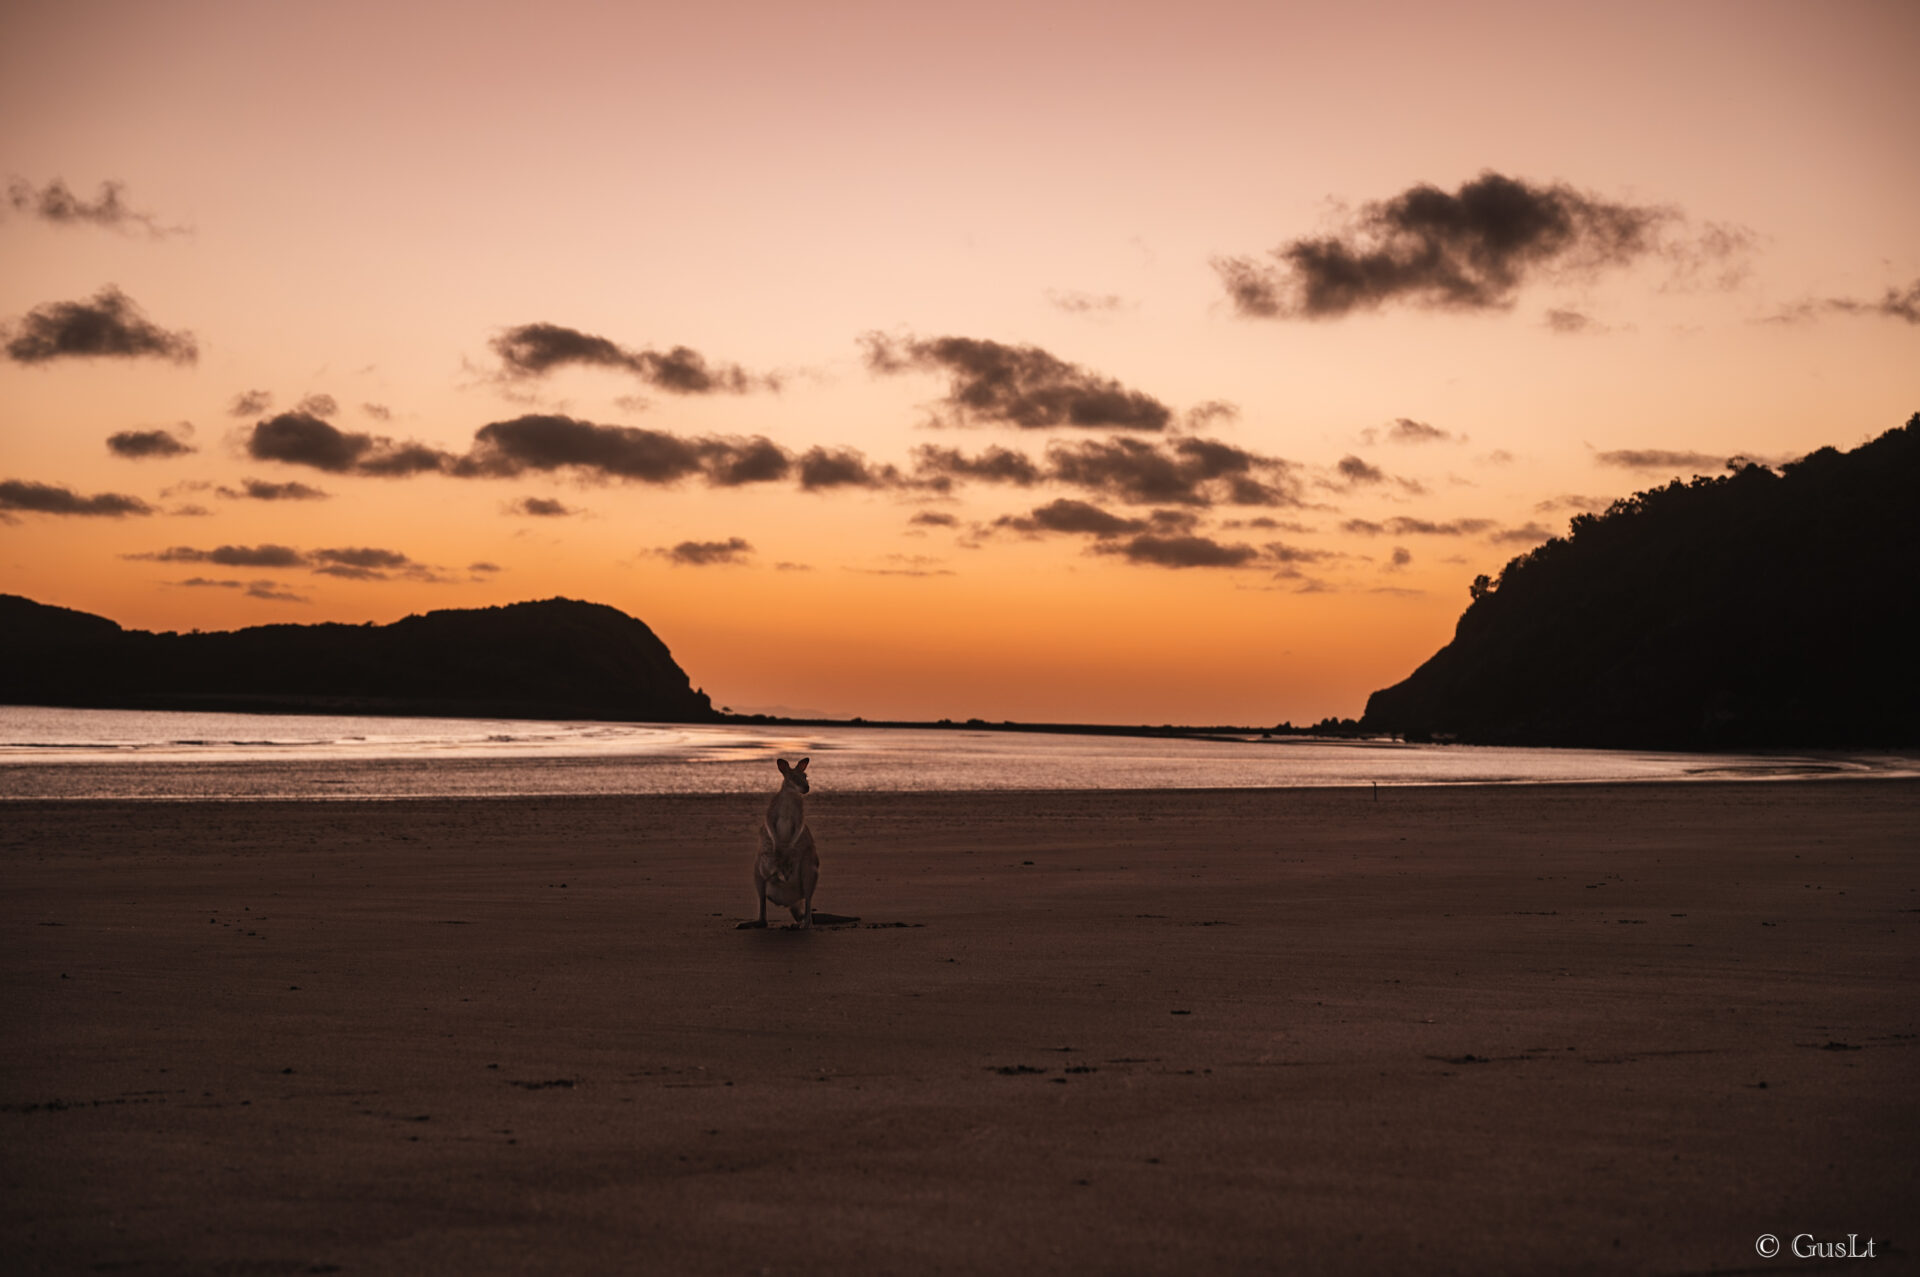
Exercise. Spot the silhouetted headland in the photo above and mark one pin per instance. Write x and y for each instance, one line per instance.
(1749, 610)
(558, 658)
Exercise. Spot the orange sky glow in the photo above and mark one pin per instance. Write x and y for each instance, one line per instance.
(1051, 362)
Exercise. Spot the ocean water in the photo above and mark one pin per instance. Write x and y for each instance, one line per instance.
(75, 753)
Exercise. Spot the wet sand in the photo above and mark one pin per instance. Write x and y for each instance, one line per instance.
(1571, 1029)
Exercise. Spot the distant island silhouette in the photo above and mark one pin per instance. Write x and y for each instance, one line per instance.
(558, 658)
(1747, 610)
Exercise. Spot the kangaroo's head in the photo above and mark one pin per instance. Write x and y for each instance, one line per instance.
(796, 775)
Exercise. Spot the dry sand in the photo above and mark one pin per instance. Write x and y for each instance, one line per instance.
(1607, 1029)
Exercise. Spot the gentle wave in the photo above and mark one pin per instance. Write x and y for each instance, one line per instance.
(51, 753)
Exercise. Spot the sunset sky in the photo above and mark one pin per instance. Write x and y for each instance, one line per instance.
(1070, 362)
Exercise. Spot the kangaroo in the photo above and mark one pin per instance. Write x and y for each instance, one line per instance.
(787, 868)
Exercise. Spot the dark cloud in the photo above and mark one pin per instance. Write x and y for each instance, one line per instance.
(541, 508)
(318, 405)
(1403, 556)
(1017, 385)
(546, 443)
(1419, 527)
(56, 203)
(483, 567)
(1660, 459)
(1897, 303)
(1471, 249)
(823, 468)
(110, 326)
(353, 563)
(938, 466)
(1356, 471)
(30, 497)
(533, 350)
(231, 556)
(379, 412)
(1075, 303)
(254, 589)
(261, 490)
(366, 563)
(141, 444)
(1179, 551)
(701, 554)
(731, 462)
(250, 403)
(933, 519)
(1065, 515)
(1185, 471)
(299, 438)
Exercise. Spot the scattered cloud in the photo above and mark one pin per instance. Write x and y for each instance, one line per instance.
(1356, 471)
(354, 563)
(933, 519)
(55, 202)
(1572, 322)
(992, 383)
(701, 554)
(1660, 459)
(484, 567)
(541, 508)
(1402, 556)
(1183, 471)
(1202, 415)
(109, 326)
(1419, 527)
(938, 467)
(1407, 430)
(1897, 303)
(824, 468)
(29, 497)
(1281, 552)
(378, 411)
(909, 565)
(300, 438)
(533, 350)
(318, 405)
(1471, 249)
(261, 490)
(231, 556)
(254, 589)
(1570, 501)
(1066, 515)
(1528, 533)
(1077, 303)
(144, 444)
(250, 403)
(1185, 551)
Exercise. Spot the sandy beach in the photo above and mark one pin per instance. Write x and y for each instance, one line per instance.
(1525, 1029)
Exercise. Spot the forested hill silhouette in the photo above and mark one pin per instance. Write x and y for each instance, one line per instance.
(1751, 609)
(559, 658)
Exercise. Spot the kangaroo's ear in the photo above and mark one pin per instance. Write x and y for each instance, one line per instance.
(784, 769)
(802, 764)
